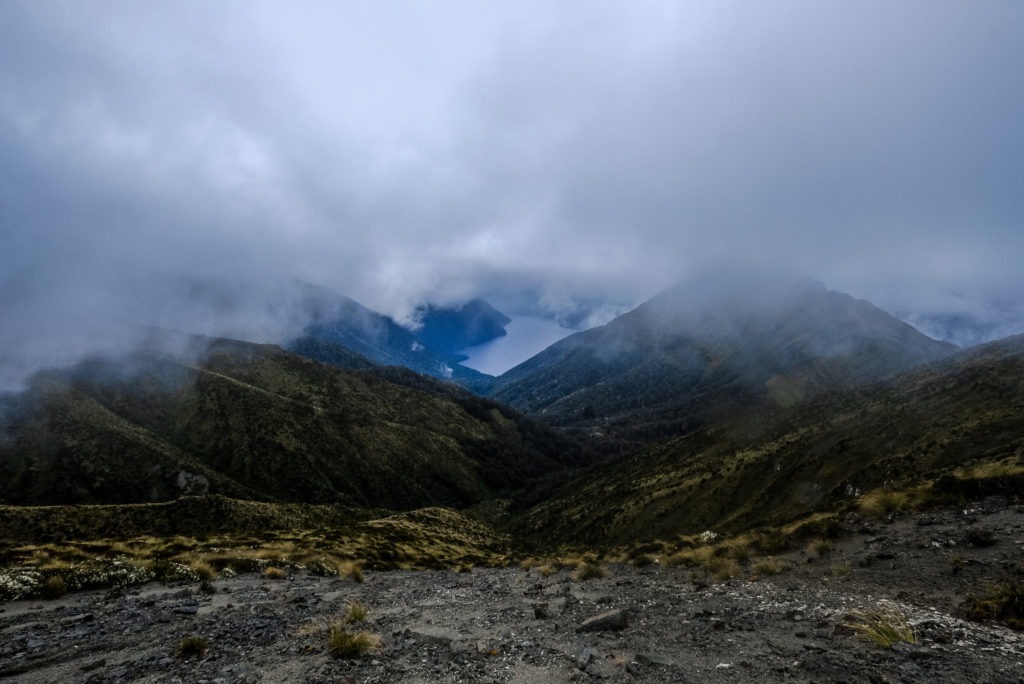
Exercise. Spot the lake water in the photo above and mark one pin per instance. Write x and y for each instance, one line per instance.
(527, 336)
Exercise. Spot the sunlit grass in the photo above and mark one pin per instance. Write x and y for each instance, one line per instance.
(357, 611)
(589, 570)
(345, 644)
(882, 626)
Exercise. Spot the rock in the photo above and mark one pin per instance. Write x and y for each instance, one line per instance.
(585, 655)
(487, 647)
(608, 621)
(652, 658)
(437, 636)
(94, 665)
(913, 651)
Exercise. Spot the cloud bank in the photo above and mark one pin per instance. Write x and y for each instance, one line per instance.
(403, 152)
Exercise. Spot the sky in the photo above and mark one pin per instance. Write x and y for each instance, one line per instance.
(410, 152)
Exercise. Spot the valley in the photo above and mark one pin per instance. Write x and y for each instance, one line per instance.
(713, 467)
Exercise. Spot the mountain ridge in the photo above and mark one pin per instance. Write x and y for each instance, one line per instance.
(682, 359)
(253, 421)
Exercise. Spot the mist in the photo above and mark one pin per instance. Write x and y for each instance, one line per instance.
(570, 161)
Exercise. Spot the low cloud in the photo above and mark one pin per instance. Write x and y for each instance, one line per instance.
(576, 158)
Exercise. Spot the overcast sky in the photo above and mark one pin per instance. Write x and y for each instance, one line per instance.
(408, 151)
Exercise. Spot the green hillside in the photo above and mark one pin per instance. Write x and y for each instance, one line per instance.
(954, 428)
(254, 422)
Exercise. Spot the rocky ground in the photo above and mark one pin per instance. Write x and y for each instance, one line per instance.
(515, 625)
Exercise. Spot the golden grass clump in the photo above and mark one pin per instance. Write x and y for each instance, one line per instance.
(588, 570)
(721, 568)
(880, 503)
(275, 573)
(739, 549)
(191, 647)
(353, 570)
(819, 548)
(882, 626)
(55, 587)
(1003, 602)
(837, 570)
(643, 561)
(768, 566)
(345, 644)
(546, 570)
(992, 470)
(713, 560)
(697, 557)
(203, 570)
(356, 612)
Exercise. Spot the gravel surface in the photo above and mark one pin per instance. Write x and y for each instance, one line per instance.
(512, 625)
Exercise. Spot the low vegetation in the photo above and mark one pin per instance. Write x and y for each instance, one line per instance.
(425, 539)
(356, 612)
(819, 548)
(191, 647)
(55, 587)
(275, 573)
(1000, 602)
(768, 566)
(883, 626)
(589, 570)
(880, 503)
(341, 643)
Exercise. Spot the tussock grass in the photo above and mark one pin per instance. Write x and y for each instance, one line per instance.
(1002, 602)
(766, 542)
(647, 549)
(546, 570)
(356, 612)
(191, 647)
(353, 571)
(837, 570)
(721, 568)
(880, 503)
(819, 548)
(700, 556)
(769, 566)
(712, 560)
(589, 570)
(345, 644)
(275, 573)
(203, 570)
(740, 549)
(980, 537)
(643, 561)
(991, 470)
(882, 626)
(55, 587)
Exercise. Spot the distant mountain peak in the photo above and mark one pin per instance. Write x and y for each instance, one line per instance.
(711, 346)
(338, 326)
(450, 329)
